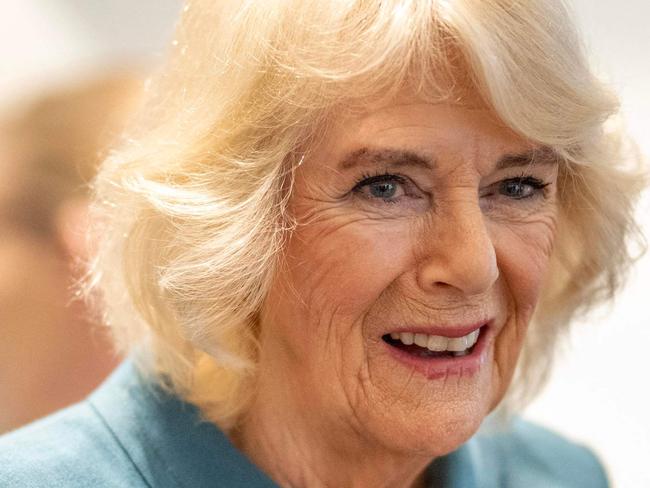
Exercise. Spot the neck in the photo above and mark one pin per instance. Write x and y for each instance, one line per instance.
(299, 450)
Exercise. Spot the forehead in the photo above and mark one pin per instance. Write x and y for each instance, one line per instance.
(436, 131)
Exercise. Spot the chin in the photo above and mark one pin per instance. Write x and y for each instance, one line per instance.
(430, 415)
(437, 434)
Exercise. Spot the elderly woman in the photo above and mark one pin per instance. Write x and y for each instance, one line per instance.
(327, 242)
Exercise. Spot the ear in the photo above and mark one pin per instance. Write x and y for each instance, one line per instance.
(71, 227)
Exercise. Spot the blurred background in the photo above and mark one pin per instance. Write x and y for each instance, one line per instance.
(72, 70)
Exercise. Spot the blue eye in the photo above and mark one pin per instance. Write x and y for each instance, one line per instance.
(521, 188)
(384, 189)
(388, 188)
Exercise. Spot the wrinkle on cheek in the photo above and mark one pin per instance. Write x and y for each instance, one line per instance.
(339, 286)
(316, 212)
(509, 346)
(313, 214)
(348, 245)
(352, 373)
(536, 233)
(548, 231)
(539, 237)
(523, 251)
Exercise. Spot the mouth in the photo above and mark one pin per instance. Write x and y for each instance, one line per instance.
(433, 346)
(458, 352)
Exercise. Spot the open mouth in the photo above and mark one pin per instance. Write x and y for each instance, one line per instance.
(433, 346)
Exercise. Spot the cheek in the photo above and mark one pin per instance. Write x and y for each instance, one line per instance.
(334, 270)
(523, 253)
(342, 265)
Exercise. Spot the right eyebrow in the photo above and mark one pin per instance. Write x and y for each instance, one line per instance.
(537, 156)
(392, 157)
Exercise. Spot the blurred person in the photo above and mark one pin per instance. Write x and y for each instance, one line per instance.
(51, 354)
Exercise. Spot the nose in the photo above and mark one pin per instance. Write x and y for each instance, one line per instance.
(458, 253)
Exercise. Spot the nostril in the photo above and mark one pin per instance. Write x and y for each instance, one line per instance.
(442, 284)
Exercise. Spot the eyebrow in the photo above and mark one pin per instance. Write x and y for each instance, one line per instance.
(392, 157)
(402, 157)
(537, 156)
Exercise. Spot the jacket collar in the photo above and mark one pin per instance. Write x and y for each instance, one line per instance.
(167, 440)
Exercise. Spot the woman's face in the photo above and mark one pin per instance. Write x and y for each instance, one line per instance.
(412, 219)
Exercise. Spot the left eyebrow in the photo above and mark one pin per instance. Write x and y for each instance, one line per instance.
(537, 156)
(392, 157)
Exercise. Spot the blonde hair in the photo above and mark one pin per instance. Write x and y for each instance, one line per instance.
(192, 211)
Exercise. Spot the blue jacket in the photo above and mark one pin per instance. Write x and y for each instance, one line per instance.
(129, 433)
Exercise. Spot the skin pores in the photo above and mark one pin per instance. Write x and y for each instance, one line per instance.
(411, 215)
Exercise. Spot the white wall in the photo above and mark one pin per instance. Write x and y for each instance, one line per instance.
(599, 393)
(49, 42)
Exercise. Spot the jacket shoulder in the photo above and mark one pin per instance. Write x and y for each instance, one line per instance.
(533, 456)
(72, 448)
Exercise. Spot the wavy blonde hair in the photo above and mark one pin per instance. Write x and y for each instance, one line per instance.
(192, 209)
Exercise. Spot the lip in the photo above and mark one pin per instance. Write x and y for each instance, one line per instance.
(439, 368)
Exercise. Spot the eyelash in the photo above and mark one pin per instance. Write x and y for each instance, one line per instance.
(536, 184)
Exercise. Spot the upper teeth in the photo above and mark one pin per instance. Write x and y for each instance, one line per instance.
(437, 343)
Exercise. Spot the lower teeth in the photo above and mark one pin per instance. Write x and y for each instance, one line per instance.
(426, 353)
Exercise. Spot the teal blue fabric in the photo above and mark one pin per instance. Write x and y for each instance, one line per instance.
(129, 433)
